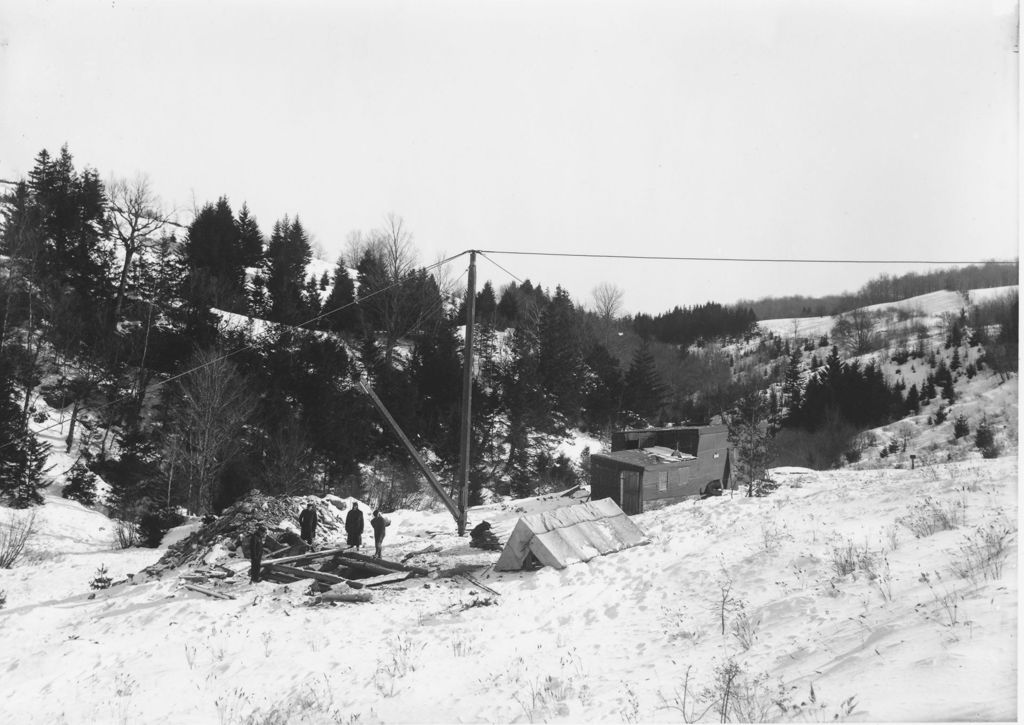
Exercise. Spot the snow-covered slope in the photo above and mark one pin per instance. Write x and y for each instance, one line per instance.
(611, 640)
(927, 308)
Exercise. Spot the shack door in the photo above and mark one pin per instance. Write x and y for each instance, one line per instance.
(629, 492)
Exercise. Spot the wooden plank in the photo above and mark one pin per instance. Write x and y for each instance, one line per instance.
(428, 550)
(346, 560)
(207, 592)
(311, 556)
(307, 573)
(473, 581)
(344, 597)
(387, 563)
(385, 579)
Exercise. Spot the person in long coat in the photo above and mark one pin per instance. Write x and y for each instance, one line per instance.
(378, 523)
(354, 526)
(307, 523)
(256, 552)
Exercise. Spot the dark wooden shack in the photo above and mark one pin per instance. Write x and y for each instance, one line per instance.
(654, 467)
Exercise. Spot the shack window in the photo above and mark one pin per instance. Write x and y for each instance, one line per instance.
(663, 480)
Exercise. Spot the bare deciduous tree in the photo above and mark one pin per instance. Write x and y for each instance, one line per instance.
(214, 406)
(608, 300)
(854, 331)
(398, 296)
(137, 216)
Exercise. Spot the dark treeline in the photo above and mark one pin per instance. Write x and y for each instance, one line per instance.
(123, 321)
(110, 313)
(688, 325)
(887, 288)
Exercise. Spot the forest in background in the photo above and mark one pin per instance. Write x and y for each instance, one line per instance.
(109, 311)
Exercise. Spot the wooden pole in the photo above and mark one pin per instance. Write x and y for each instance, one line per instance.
(431, 478)
(467, 392)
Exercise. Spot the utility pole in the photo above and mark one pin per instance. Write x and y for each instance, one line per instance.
(467, 391)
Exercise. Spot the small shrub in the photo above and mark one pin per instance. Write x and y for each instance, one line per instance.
(81, 485)
(941, 414)
(960, 426)
(101, 580)
(14, 535)
(929, 516)
(126, 534)
(984, 551)
(744, 629)
(3, 599)
(894, 446)
(985, 440)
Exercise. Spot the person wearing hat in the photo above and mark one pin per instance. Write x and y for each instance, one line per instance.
(379, 523)
(307, 523)
(256, 552)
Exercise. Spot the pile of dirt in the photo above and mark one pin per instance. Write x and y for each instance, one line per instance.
(227, 535)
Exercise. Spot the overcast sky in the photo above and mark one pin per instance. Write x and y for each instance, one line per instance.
(859, 129)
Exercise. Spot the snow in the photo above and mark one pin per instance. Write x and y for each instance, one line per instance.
(608, 640)
(613, 639)
(932, 305)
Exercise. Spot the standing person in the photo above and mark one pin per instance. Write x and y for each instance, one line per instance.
(256, 552)
(307, 523)
(379, 523)
(354, 526)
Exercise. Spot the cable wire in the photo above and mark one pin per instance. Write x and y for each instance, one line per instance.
(781, 260)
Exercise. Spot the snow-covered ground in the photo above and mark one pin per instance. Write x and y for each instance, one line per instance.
(929, 309)
(610, 640)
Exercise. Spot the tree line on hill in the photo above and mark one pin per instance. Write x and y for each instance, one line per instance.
(887, 288)
(109, 312)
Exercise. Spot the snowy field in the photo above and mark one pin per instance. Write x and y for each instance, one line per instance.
(619, 639)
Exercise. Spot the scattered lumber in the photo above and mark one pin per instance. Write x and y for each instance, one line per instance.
(364, 565)
(384, 579)
(387, 563)
(344, 597)
(311, 556)
(207, 592)
(306, 573)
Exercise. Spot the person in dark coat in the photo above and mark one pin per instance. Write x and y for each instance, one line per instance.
(354, 526)
(256, 552)
(379, 523)
(307, 523)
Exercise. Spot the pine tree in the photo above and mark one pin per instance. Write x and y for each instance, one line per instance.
(750, 437)
(644, 393)
(215, 260)
(560, 362)
(22, 456)
(288, 254)
(343, 314)
(250, 238)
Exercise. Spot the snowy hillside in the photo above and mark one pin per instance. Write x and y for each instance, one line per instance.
(825, 584)
(928, 308)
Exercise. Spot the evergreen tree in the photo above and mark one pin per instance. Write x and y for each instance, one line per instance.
(288, 254)
(913, 400)
(22, 456)
(215, 260)
(750, 436)
(250, 238)
(343, 315)
(644, 393)
(560, 360)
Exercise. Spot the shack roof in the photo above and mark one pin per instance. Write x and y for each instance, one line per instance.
(654, 457)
